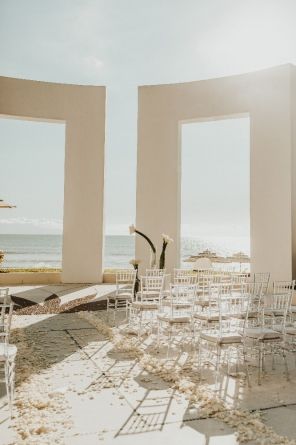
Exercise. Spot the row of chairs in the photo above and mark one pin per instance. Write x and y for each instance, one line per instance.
(219, 312)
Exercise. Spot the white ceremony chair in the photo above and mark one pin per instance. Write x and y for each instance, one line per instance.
(264, 339)
(220, 337)
(175, 314)
(263, 278)
(146, 304)
(274, 305)
(7, 351)
(124, 294)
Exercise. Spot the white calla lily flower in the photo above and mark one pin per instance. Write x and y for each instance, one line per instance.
(132, 229)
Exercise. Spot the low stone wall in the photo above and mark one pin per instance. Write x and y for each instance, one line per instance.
(14, 278)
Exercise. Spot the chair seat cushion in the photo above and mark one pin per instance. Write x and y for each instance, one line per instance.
(225, 338)
(242, 315)
(177, 303)
(149, 305)
(274, 312)
(207, 317)
(8, 351)
(202, 303)
(124, 295)
(262, 334)
(174, 319)
(147, 293)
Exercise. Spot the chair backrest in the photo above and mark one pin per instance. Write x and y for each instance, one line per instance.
(5, 321)
(281, 298)
(182, 294)
(155, 272)
(203, 284)
(185, 279)
(283, 286)
(126, 276)
(184, 291)
(181, 272)
(224, 306)
(4, 295)
(262, 277)
(235, 307)
(152, 284)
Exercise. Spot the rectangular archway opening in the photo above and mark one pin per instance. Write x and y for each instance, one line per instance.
(215, 191)
(32, 177)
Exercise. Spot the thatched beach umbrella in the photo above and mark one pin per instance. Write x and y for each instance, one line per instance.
(239, 257)
(207, 254)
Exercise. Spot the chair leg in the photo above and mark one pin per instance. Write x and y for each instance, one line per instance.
(199, 356)
(114, 313)
(286, 365)
(217, 366)
(140, 325)
(108, 308)
(9, 382)
(260, 367)
(169, 341)
(273, 358)
(246, 367)
(158, 334)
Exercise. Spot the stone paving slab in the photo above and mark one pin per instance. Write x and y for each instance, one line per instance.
(108, 398)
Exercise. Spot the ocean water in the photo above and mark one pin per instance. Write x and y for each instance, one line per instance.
(36, 251)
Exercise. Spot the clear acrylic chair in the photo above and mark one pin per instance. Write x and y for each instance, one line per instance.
(144, 308)
(206, 310)
(274, 304)
(263, 278)
(175, 314)
(7, 351)
(124, 294)
(220, 338)
(263, 338)
(154, 272)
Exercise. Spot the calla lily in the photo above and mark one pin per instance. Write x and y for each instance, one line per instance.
(167, 238)
(134, 262)
(132, 229)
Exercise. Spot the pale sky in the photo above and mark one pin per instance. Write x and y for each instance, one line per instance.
(123, 44)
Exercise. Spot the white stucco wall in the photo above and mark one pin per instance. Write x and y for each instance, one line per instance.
(82, 108)
(266, 97)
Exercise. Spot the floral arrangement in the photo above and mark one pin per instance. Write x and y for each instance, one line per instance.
(132, 229)
(165, 241)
